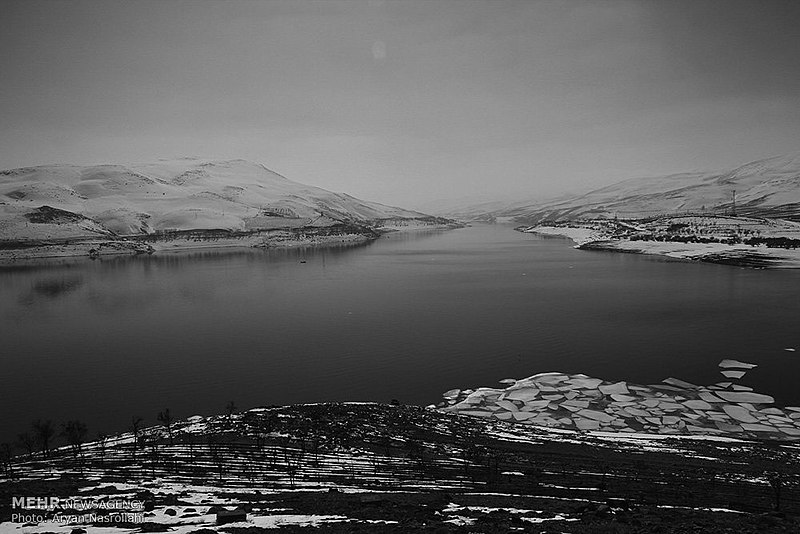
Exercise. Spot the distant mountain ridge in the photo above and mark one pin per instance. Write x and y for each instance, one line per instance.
(177, 195)
(765, 188)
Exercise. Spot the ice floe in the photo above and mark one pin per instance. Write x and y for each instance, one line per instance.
(725, 364)
(674, 407)
(620, 388)
(733, 374)
(746, 396)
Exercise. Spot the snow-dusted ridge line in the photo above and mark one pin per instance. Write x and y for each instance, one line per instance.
(57, 210)
(769, 187)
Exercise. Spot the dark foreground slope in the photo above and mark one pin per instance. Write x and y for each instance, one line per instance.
(381, 468)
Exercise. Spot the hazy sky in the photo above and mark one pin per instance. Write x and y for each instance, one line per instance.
(402, 101)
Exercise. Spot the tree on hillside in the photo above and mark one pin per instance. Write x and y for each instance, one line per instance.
(5, 459)
(27, 441)
(775, 480)
(166, 419)
(44, 432)
(136, 425)
(102, 438)
(216, 453)
(75, 432)
(231, 409)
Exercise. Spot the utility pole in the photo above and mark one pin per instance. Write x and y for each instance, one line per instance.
(734, 203)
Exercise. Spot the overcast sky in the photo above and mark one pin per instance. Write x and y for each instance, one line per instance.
(407, 100)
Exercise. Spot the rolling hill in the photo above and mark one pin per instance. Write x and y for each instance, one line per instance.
(765, 188)
(67, 201)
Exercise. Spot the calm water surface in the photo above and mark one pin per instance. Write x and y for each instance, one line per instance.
(406, 317)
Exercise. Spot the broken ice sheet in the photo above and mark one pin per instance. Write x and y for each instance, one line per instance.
(733, 374)
(739, 413)
(679, 383)
(736, 364)
(620, 388)
(588, 404)
(746, 396)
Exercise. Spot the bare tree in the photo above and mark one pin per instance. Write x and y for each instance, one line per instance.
(27, 441)
(44, 432)
(166, 419)
(75, 432)
(102, 438)
(136, 425)
(775, 480)
(215, 450)
(5, 459)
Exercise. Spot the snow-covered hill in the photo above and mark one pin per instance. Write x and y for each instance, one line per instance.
(768, 187)
(67, 201)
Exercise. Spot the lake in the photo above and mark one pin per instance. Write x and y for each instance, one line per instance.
(406, 317)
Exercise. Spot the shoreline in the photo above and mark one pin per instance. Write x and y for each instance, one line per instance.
(605, 238)
(191, 240)
(734, 255)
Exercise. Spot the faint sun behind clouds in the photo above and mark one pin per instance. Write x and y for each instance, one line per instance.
(379, 50)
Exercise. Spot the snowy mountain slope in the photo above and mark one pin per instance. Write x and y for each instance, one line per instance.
(768, 187)
(186, 194)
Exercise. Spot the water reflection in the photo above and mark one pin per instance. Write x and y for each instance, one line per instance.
(114, 284)
(180, 258)
(55, 287)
